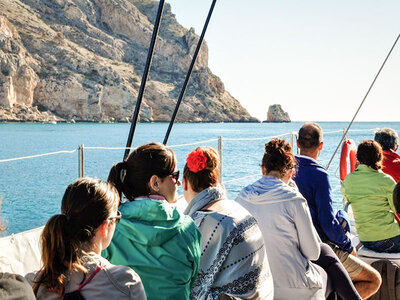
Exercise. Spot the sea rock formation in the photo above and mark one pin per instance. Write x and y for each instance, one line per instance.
(277, 114)
(83, 61)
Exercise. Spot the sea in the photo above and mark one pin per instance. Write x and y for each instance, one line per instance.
(31, 189)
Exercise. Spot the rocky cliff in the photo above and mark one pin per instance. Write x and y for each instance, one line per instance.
(277, 114)
(83, 61)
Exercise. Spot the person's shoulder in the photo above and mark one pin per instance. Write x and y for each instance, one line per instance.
(229, 212)
(13, 286)
(309, 163)
(388, 179)
(187, 227)
(122, 277)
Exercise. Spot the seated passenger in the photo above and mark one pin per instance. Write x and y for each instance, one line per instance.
(370, 192)
(72, 242)
(313, 183)
(291, 240)
(285, 222)
(233, 259)
(396, 197)
(153, 238)
(389, 140)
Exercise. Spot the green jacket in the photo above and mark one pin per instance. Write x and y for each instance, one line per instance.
(370, 194)
(160, 244)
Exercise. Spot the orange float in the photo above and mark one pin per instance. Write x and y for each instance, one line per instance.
(348, 154)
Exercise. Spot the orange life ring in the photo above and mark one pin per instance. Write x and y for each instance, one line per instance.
(349, 150)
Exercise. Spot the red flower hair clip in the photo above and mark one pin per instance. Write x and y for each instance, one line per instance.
(196, 161)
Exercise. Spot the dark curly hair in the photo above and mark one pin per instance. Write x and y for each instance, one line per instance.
(369, 153)
(278, 156)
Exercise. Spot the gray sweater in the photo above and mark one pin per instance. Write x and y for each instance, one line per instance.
(111, 282)
(290, 238)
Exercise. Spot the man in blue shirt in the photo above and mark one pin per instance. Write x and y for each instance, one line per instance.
(313, 183)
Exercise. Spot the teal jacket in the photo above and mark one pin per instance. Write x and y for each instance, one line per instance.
(370, 194)
(160, 244)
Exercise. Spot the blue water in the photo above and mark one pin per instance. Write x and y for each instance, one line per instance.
(32, 189)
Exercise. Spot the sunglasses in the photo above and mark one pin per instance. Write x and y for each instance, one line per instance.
(175, 176)
(117, 218)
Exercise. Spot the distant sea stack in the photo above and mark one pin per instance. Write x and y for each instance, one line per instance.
(277, 114)
(67, 60)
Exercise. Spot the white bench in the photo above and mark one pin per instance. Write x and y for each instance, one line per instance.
(20, 253)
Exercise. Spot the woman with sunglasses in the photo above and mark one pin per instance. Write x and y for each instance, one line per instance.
(71, 246)
(153, 238)
(233, 261)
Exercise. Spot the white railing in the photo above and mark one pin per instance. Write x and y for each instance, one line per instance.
(81, 149)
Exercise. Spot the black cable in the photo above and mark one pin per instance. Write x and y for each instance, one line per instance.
(189, 72)
(362, 102)
(144, 78)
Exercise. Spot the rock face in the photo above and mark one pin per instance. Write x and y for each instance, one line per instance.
(277, 114)
(83, 61)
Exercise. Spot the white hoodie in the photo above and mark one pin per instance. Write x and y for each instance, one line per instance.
(290, 238)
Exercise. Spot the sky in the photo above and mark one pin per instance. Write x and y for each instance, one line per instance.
(315, 58)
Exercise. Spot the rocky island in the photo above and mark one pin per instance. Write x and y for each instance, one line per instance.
(65, 60)
(277, 114)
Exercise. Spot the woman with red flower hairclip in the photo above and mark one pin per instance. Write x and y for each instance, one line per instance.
(233, 261)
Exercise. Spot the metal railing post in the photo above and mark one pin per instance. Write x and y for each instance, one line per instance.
(220, 157)
(292, 141)
(81, 160)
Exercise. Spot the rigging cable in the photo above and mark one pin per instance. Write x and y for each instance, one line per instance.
(189, 72)
(362, 102)
(144, 78)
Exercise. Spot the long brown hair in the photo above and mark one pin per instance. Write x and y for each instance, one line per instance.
(132, 176)
(87, 203)
(206, 177)
(278, 156)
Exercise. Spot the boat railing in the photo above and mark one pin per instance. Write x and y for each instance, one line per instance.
(292, 137)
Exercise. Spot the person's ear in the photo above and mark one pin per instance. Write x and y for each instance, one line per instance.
(397, 147)
(321, 145)
(357, 163)
(103, 229)
(153, 183)
(263, 170)
(184, 184)
(297, 143)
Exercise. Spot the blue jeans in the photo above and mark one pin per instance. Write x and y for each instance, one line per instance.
(391, 245)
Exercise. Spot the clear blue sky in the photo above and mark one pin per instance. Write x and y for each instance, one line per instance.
(315, 58)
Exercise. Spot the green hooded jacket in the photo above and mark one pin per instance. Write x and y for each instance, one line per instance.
(160, 244)
(370, 193)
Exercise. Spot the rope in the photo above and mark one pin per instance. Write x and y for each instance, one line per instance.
(362, 102)
(256, 139)
(352, 130)
(109, 148)
(195, 143)
(37, 155)
(237, 179)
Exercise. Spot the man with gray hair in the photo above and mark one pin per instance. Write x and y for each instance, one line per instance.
(389, 141)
